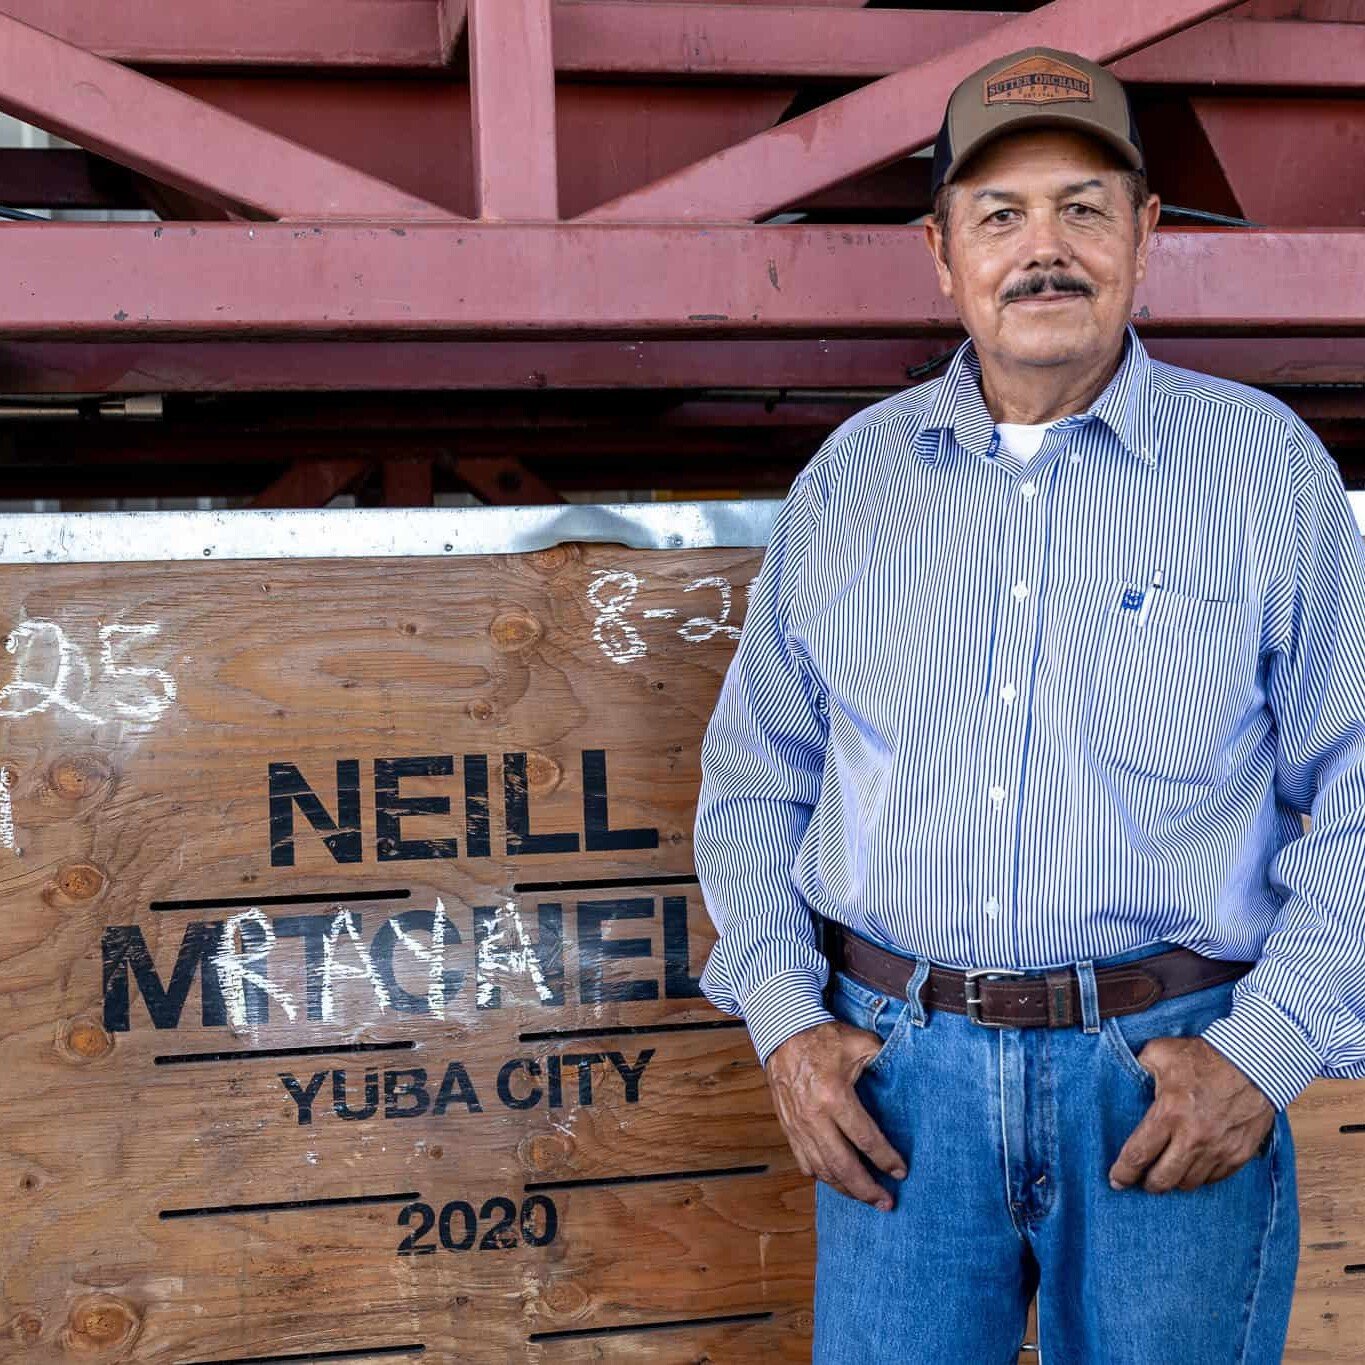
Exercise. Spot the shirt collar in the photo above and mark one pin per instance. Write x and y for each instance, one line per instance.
(1124, 406)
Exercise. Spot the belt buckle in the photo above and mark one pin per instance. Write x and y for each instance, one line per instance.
(974, 998)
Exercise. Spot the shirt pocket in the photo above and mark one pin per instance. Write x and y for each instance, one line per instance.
(1168, 691)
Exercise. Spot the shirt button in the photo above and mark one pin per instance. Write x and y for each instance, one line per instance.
(1019, 591)
(992, 907)
(1027, 490)
(997, 795)
(1075, 457)
(1008, 693)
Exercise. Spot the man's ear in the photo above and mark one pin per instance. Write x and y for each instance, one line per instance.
(938, 249)
(1146, 225)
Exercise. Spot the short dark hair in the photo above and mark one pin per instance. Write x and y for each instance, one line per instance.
(1135, 182)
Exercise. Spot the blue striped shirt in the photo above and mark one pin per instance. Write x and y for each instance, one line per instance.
(1005, 716)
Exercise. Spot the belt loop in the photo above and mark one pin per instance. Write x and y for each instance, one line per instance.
(1090, 997)
(912, 992)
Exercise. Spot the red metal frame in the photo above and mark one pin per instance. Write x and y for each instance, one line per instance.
(60, 368)
(150, 127)
(274, 279)
(803, 42)
(512, 90)
(890, 118)
(370, 126)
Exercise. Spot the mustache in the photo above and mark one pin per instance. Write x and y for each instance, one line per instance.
(1057, 282)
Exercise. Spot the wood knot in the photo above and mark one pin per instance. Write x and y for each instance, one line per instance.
(543, 774)
(546, 1151)
(566, 1298)
(554, 557)
(74, 885)
(83, 1040)
(100, 1323)
(514, 630)
(480, 708)
(26, 1328)
(80, 777)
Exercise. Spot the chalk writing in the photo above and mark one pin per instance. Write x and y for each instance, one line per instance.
(615, 636)
(7, 813)
(613, 591)
(248, 964)
(52, 673)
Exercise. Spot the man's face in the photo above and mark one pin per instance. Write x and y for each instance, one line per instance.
(1043, 253)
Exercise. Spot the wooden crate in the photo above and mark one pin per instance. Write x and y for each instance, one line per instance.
(348, 1003)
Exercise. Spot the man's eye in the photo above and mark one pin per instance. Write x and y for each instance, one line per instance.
(1084, 210)
(1001, 216)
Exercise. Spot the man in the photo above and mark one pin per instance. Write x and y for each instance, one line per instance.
(1044, 661)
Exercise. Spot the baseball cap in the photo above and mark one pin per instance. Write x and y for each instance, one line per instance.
(1038, 87)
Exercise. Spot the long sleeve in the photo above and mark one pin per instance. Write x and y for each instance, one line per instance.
(1300, 1012)
(762, 758)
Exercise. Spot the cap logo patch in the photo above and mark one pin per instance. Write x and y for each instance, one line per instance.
(1038, 80)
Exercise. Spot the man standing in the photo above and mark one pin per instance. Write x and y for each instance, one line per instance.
(1000, 814)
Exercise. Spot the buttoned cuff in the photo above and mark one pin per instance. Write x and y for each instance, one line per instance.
(783, 1005)
(1264, 1043)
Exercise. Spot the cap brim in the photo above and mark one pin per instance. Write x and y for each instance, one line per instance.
(1076, 123)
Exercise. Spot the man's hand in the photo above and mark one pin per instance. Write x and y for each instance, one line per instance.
(811, 1076)
(1208, 1119)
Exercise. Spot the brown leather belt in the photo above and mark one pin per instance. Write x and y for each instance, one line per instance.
(1003, 998)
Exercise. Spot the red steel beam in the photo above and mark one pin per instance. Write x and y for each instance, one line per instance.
(618, 38)
(888, 119)
(349, 33)
(512, 87)
(180, 141)
(52, 368)
(224, 280)
(502, 480)
(1278, 54)
(695, 38)
(1289, 163)
(408, 481)
(728, 41)
(312, 483)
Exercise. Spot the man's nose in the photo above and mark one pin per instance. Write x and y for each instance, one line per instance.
(1044, 244)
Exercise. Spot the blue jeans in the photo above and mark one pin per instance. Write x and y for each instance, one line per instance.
(1008, 1135)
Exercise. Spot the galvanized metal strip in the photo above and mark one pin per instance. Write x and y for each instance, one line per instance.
(367, 533)
(396, 533)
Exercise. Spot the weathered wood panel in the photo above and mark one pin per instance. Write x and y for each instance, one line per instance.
(348, 976)
(349, 968)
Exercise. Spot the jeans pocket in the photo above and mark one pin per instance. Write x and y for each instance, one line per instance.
(1112, 1034)
(1184, 1016)
(872, 1011)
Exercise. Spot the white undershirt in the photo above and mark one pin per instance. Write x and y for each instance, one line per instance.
(1021, 440)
